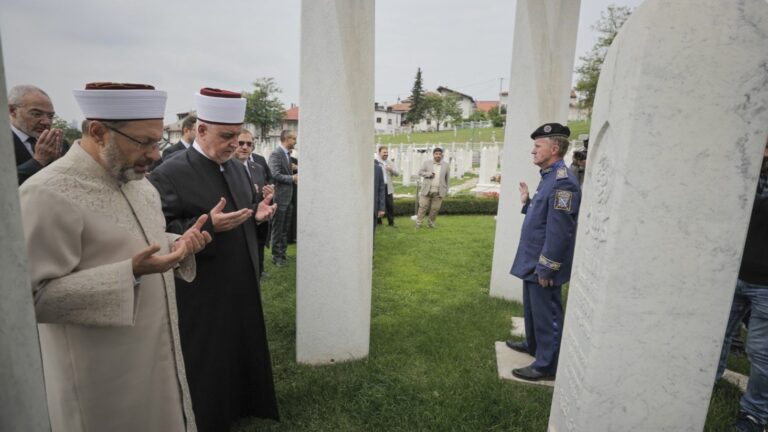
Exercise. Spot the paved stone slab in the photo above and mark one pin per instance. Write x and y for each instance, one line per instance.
(508, 359)
(518, 326)
(736, 379)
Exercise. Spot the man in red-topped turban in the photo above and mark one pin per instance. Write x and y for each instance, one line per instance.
(220, 313)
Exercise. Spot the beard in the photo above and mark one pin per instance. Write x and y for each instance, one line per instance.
(116, 165)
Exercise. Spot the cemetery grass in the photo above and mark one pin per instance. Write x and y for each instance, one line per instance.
(432, 364)
(466, 135)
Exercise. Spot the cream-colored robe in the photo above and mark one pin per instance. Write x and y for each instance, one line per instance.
(111, 354)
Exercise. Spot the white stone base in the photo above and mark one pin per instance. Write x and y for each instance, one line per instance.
(508, 359)
(518, 326)
(736, 379)
(486, 187)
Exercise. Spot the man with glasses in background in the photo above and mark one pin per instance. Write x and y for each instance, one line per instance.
(36, 143)
(258, 181)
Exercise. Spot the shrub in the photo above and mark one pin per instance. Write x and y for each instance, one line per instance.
(451, 206)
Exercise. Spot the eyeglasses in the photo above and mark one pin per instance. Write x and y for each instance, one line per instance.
(38, 114)
(245, 143)
(142, 144)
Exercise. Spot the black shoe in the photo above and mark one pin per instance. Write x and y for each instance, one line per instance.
(529, 373)
(747, 423)
(519, 346)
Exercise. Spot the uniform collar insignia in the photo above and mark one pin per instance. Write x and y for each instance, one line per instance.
(562, 173)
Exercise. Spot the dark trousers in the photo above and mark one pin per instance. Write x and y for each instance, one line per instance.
(543, 309)
(389, 209)
(280, 226)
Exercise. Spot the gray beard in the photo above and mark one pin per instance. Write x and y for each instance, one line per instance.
(115, 163)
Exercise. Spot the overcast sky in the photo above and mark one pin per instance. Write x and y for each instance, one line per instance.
(181, 46)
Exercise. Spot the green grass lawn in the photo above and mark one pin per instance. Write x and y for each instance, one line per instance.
(466, 135)
(432, 365)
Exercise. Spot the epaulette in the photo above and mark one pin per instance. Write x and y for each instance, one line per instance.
(562, 173)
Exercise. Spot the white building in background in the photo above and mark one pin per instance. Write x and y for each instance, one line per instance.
(575, 111)
(386, 119)
(466, 102)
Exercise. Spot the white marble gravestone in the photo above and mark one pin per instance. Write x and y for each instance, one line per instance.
(333, 277)
(22, 394)
(684, 90)
(543, 52)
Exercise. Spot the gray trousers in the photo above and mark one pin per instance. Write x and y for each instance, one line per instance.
(280, 226)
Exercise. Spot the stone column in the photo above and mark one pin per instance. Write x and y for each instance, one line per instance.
(539, 90)
(678, 130)
(335, 213)
(22, 394)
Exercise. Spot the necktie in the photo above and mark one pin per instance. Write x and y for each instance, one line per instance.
(32, 141)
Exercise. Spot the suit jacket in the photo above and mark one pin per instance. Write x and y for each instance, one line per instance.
(258, 179)
(259, 159)
(394, 173)
(379, 189)
(26, 165)
(426, 170)
(173, 149)
(280, 167)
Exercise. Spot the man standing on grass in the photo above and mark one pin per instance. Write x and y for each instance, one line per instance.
(545, 252)
(434, 187)
(221, 319)
(102, 272)
(389, 171)
(752, 296)
(284, 178)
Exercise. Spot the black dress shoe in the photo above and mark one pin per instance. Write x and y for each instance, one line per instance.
(519, 346)
(529, 373)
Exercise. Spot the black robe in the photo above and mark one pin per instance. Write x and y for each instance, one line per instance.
(221, 321)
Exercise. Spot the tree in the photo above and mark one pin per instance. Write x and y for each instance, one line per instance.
(608, 27)
(417, 111)
(440, 107)
(494, 115)
(70, 131)
(263, 109)
(477, 116)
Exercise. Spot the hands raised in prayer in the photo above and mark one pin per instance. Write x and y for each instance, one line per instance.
(265, 210)
(146, 262)
(48, 146)
(227, 221)
(194, 239)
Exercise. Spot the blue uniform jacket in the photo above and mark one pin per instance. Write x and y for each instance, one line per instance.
(549, 229)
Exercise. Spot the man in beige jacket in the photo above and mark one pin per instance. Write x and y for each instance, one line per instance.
(434, 187)
(102, 269)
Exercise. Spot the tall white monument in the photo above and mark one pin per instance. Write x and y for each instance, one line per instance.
(678, 130)
(335, 212)
(22, 393)
(543, 52)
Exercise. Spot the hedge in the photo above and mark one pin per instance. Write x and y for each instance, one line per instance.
(453, 205)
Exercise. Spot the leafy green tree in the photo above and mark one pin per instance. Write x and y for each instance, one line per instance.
(608, 27)
(477, 116)
(70, 130)
(263, 109)
(441, 107)
(418, 108)
(494, 115)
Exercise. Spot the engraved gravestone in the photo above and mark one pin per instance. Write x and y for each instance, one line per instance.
(678, 129)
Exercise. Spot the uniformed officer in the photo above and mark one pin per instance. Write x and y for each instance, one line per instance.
(545, 252)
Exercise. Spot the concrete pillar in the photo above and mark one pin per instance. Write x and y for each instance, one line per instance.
(543, 53)
(335, 208)
(678, 130)
(22, 392)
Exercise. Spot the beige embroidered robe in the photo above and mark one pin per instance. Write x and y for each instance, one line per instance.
(111, 354)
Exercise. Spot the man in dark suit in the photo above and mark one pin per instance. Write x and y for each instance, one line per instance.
(35, 142)
(284, 178)
(187, 137)
(259, 159)
(221, 319)
(379, 193)
(257, 177)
